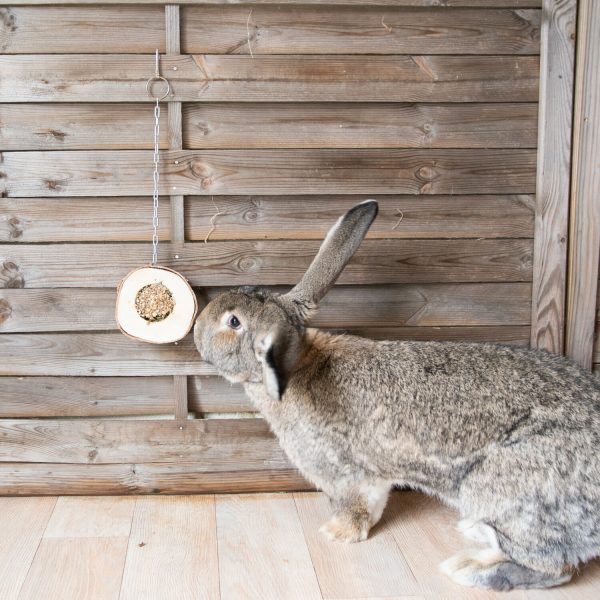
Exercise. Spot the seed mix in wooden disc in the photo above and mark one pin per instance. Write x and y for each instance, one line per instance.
(154, 302)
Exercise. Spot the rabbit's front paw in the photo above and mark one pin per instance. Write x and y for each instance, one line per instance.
(344, 528)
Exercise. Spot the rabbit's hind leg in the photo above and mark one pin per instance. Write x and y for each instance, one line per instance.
(357, 509)
(478, 531)
(491, 568)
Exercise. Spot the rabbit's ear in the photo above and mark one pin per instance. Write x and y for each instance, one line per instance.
(338, 247)
(277, 351)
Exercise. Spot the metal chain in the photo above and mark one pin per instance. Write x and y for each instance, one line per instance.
(155, 177)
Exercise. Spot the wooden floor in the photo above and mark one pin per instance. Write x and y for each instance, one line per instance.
(231, 547)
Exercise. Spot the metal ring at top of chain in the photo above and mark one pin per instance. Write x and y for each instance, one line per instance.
(150, 83)
(155, 177)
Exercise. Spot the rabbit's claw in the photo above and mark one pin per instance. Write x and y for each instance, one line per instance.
(345, 529)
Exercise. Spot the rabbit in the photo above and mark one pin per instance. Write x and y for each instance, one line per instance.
(509, 436)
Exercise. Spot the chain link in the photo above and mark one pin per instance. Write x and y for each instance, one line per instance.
(155, 178)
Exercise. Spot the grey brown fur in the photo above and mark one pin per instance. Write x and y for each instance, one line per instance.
(509, 436)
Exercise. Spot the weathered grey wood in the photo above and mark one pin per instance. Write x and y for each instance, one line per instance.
(213, 394)
(27, 479)
(310, 217)
(447, 3)
(268, 263)
(271, 125)
(357, 30)
(99, 78)
(112, 354)
(79, 127)
(27, 397)
(262, 217)
(585, 206)
(294, 172)
(213, 444)
(359, 125)
(553, 174)
(47, 310)
(90, 29)
(81, 219)
(298, 30)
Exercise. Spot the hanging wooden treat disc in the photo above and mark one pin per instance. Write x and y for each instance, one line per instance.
(155, 304)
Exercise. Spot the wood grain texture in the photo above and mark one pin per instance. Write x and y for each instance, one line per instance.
(112, 354)
(26, 397)
(211, 444)
(448, 3)
(553, 175)
(26, 479)
(89, 220)
(258, 537)
(172, 550)
(33, 126)
(271, 125)
(373, 568)
(294, 172)
(360, 125)
(91, 29)
(262, 217)
(22, 522)
(206, 77)
(358, 30)
(78, 309)
(89, 516)
(76, 568)
(269, 262)
(582, 285)
(310, 217)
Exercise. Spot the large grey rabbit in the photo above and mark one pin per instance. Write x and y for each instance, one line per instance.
(509, 436)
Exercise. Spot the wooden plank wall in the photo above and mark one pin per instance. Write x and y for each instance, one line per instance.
(282, 116)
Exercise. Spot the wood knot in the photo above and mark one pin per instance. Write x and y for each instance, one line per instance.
(427, 173)
(10, 276)
(5, 310)
(15, 230)
(200, 169)
(251, 215)
(248, 264)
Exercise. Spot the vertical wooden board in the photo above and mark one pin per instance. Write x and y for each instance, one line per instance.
(553, 174)
(22, 523)
(372, 568)
(585, 205)
(91, 516)
(172, 550)
(76, 568)
(262, 551)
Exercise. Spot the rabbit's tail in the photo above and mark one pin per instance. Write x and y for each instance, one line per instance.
(491, 568)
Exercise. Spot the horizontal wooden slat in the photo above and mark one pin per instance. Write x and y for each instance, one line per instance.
(25, 30)
(272, 125)
(295, 30)
(326, 125)
(267, 263)
(85, 396)
(213, 444)
(310, 217)
(447, 3)
(294, 172)
(112, 354)
(395, 78)
(27, 397)
(24, 310)
(26, 220)
(358, 30)
(81, 126)
(26, 479)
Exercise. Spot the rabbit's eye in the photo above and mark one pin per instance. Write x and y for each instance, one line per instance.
(234, 322)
